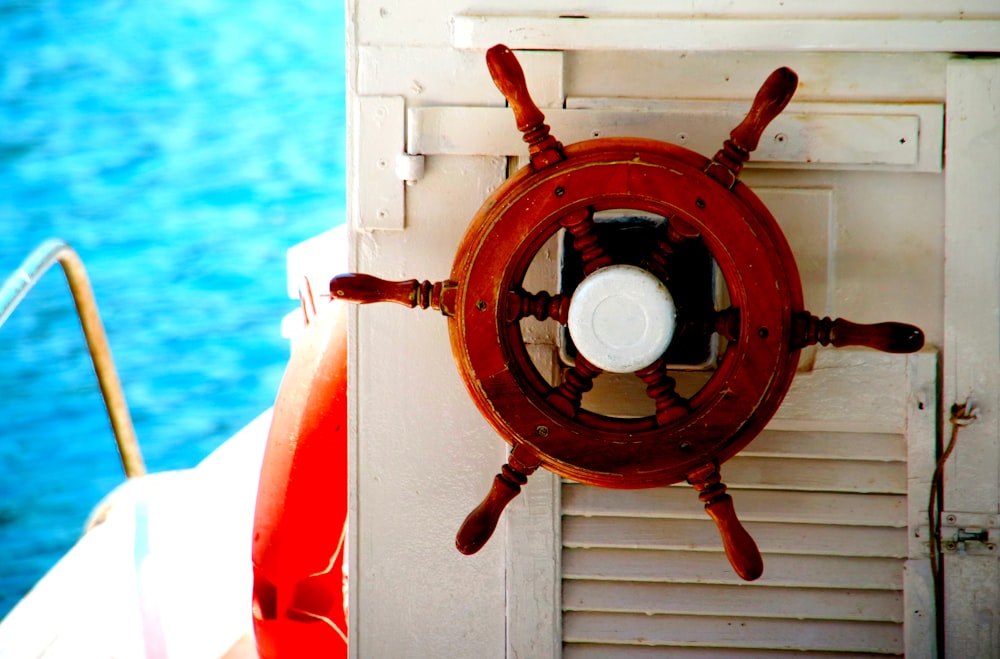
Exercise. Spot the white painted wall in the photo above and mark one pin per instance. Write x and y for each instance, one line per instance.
(869, 235)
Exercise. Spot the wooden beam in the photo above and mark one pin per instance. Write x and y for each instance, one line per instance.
(971, 367)
(726, 34)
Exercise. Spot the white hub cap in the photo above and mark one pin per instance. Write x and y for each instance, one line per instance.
(621, 318)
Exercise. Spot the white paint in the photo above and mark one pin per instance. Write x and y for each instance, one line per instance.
(712, 75)
(622, 318)
(832, 501)
(409, 168)
(405, 23)
(807, 218)
(422, 456)
(380, 118)
(166, 575)
(732, 34)
(534, 547)
(445, 76)
(883, 239)
(971, 367)
(919, 606)
(808, 135)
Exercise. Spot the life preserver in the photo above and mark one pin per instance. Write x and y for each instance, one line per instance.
(300, 523)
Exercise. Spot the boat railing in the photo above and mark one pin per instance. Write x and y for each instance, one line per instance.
(17, 286)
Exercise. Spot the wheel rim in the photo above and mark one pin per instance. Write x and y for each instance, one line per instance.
(648, 176)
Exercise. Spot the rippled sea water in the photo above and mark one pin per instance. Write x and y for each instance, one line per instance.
(181, 147)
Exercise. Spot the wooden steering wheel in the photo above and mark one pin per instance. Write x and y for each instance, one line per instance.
(622, 316)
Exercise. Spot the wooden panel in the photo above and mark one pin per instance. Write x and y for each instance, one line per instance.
(604, 651)
(827, 135)
(444, 76)
(815, 539)
(533, 550)
(882, 447)
(971, 358)
(437, 602)
(901, 135)
(921, 447)
(763, 602)
(875, 77)
(807, 217)
(406, 22)
(816, 475)
(838, 380)
(753, 505)
(843, 380)
(972, 276)
(733, 632)
(712, 567)
(426, 76)
(380, 126)
(835, 555)
(692, 34)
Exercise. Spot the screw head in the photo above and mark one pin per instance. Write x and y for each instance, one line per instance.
(949, 546)
(950, 519)
(542, 431)
(560, 191)
(481, 305)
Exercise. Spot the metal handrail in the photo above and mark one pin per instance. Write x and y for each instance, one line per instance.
(23, 280)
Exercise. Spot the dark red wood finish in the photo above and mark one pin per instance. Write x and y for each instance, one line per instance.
(646, 176)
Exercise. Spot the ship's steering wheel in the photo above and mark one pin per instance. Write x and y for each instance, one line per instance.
(622, 317)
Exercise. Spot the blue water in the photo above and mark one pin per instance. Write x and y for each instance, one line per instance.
(181, 147)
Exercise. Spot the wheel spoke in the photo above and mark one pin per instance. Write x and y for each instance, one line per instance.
(508, 76)
(365, 289)
(726, 322)
(543, 305)
(739, 545)
(580, 224)
(772, 98)
(482, 521)
(662, 389)
(672, 236)
(900, 338)
(578, 380)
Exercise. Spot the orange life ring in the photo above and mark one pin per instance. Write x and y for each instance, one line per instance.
(300, 523)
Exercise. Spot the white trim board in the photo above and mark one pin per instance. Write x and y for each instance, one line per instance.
(732, 34)
(809, 135)
(971, 360)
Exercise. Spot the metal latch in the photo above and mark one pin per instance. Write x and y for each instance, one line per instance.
(969, 533)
